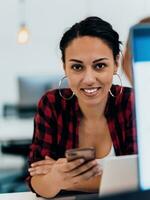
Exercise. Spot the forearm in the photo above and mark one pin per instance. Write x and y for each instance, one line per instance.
(43, 186)
(91, 185)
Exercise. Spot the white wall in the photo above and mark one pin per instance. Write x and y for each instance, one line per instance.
(47, 21)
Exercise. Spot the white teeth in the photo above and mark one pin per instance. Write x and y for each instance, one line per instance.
(90, 90)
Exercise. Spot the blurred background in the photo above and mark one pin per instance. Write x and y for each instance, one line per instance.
(30, 64)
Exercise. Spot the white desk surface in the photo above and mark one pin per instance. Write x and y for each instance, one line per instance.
(14, 128)
(18, 196)
(28, 196)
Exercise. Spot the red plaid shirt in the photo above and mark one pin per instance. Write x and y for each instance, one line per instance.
(56, 124)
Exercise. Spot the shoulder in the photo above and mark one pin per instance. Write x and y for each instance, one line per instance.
(122, 94)
(49, 96)
(54, 95)
(53, 100)
(121, 90)
(47, 99)
(123, 100)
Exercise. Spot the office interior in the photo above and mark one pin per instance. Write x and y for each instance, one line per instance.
(28, 70)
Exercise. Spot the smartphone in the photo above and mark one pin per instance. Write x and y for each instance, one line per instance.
(86, 153)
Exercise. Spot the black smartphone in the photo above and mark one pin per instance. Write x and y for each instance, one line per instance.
(86, 153)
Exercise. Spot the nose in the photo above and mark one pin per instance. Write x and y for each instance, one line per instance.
(89, 77)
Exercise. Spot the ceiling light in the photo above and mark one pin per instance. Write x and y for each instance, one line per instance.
(23, 32)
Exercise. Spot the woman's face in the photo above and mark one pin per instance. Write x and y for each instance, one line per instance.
(89, 66)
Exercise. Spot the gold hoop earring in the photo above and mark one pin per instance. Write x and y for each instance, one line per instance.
(59, 87)
(120, 85)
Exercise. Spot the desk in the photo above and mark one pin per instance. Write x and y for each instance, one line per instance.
(27, 196)
(32, 196)
(145, 195)
(18, 196)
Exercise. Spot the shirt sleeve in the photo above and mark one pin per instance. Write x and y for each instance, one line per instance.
(45, 133)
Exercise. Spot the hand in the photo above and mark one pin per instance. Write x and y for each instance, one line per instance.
(66, 174)
(41, 167)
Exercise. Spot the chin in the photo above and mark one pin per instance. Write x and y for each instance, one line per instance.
(93, 102)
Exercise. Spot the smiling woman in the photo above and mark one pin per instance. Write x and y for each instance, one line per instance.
(92, 112)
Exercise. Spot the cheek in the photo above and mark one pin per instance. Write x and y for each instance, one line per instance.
(107, 81)
(110, 79)
(106, 77)
(73, 82)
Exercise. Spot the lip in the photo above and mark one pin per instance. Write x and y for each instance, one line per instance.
(91, 92)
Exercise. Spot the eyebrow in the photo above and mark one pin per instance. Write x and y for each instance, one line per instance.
(95, 61)
(100, 59)
(75, 60)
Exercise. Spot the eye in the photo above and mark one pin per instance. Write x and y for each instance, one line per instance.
(99, 65)
(77, 67)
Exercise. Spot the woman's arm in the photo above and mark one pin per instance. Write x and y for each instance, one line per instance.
(72, 176)
(46, 188)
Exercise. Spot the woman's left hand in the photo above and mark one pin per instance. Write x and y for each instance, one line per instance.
(41, 167)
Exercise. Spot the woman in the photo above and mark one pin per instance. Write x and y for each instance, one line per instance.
(93, 112)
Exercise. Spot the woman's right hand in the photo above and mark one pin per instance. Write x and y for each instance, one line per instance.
(66, 174)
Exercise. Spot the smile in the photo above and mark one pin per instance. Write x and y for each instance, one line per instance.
(90, 91)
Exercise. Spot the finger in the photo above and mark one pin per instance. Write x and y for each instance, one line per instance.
(34, 173)
(39, 170)
(95, 171)
(83, 168)
(47, 167)
(42, 162)
(61, 160)
(69, 166)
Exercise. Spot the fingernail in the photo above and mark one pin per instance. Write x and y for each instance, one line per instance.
(81, 160)
(94, 162)
(99, 173)
(46, 157)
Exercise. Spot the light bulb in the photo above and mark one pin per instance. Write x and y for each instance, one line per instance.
(23, 35)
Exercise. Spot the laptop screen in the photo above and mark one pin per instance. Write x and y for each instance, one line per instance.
(140, 43)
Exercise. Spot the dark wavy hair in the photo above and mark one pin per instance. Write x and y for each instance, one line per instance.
(94, 27)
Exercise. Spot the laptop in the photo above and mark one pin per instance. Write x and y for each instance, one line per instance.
(140, 49)
(120, 174)
(135, 173)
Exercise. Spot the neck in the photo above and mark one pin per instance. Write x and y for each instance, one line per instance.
(93, 112)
